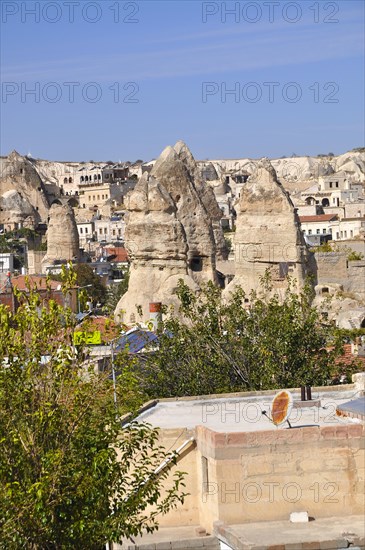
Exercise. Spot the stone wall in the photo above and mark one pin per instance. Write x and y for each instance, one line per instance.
(356, 278)
(331, 268)
(266, 475)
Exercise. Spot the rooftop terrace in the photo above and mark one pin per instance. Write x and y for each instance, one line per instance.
(240, 413)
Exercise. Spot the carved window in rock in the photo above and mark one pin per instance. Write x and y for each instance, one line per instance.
(280, 271)
(196, 264)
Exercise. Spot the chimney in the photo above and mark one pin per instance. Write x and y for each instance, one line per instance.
(155, 314)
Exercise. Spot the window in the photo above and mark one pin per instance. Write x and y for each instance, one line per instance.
(196, 264)
(324, 231)
(318, 231)
(351, 233)
(283, 270)
(98, 197)
(330, 184)
(113, 231)
(345, 233)
(86, 230)
(337, 184)
(309, 232)
(119, 231)
(105, 230)
(100, 231)
(337, 235)
(81, 231)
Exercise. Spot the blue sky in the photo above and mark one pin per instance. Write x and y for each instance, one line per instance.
(119, 80)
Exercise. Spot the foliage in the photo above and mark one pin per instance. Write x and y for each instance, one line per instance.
(70, 476)
(229, 244)
(324, 247)
(334, 247)
(224, 346)
(86, 276)
(115, 293)
(354, 256)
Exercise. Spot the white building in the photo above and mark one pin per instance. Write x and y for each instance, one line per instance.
(330, 226)
(6, 262)
(86, 232)
(110, 230)
(333, 191)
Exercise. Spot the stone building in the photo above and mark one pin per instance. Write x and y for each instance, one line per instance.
(245, 476)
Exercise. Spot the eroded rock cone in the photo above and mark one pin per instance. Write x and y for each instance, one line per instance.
(157, 246)
(176, 170)
(268, 236)
(62, 235)
(22, 195)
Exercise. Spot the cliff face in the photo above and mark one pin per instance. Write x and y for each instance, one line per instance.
(22, 196)
(169, 232)
(268, 235)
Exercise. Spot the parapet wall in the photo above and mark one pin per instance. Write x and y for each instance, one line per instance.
(266, 475)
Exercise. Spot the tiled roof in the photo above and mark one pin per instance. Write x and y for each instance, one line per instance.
(348, 357)
(318, 218)
(121, 254)
(38, 281)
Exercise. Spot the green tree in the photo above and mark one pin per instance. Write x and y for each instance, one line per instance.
(70, 475)
(86, 276)
(115, 293)
(224, 346)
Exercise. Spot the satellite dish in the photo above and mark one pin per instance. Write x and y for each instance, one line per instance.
(281, 407)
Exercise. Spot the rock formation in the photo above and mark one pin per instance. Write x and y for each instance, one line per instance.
(268, 235)
(62, 235)
(169, 232)
(196, 206)
(22, 195)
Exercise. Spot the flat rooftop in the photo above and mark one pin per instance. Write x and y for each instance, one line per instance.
(244, 414)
